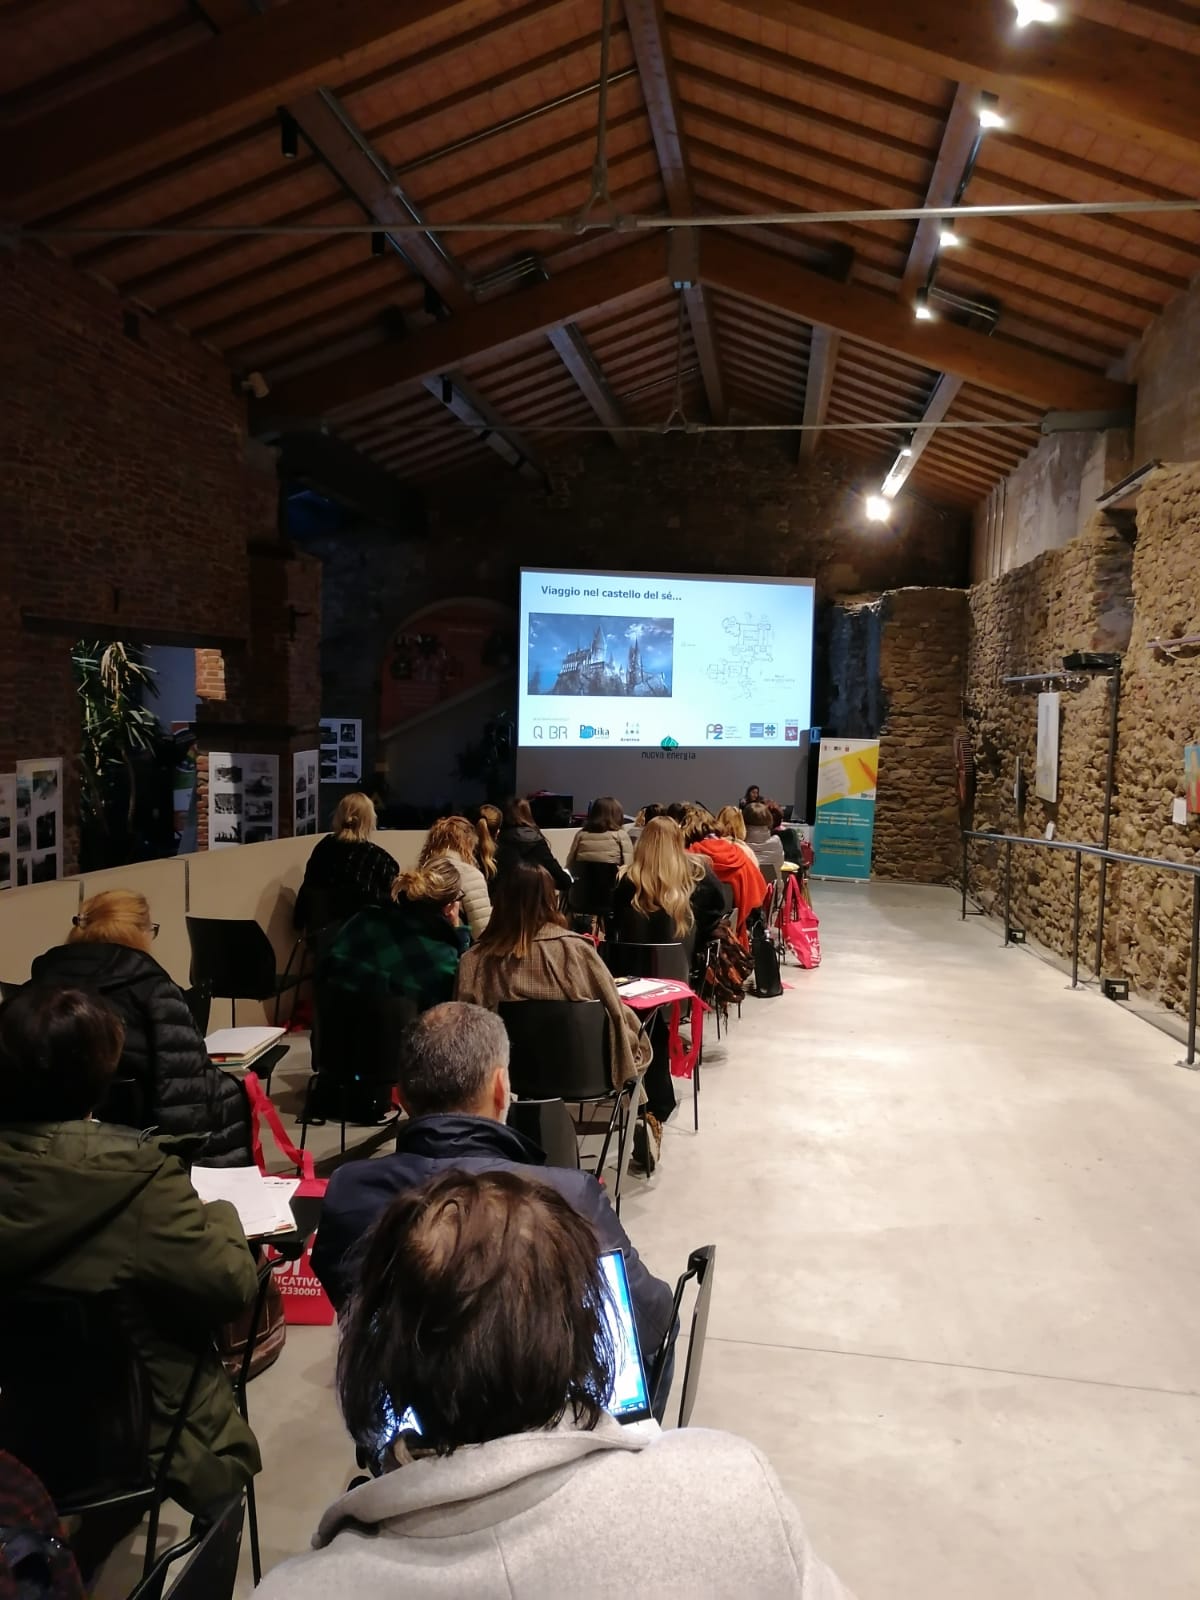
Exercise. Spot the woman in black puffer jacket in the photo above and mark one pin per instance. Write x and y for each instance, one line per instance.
(165, 1080)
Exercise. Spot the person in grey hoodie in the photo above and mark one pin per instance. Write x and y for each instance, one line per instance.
(474, 1368)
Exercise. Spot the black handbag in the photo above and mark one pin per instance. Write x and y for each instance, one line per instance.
(767, 982)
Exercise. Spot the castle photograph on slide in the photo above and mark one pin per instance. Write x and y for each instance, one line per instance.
(583, 654)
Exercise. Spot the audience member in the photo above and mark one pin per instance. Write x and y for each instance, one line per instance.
(528, 953)
(480, 1315)
(410, 946)
(487, 827)
(731, 865)
(602, 839)
(346, 870)
(729, 825)
(666, 897)
(645, 815)
(165, 1080)
(789, 839)
(677, 811)
(521, 840)
(87, 1208)
(759, 836)
(455, 840)
(454, 1086)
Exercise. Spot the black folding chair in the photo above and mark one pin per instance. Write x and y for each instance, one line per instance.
(591, 894)
(198, 1000)
(700, 1266)
(213, 1553)
(549, 1124)
(627, 959)
(355, 1049)
(76, 1406)
(234, 959)
(560, 1051)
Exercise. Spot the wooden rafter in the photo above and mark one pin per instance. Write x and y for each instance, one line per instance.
(878, 319)
(1088, 70)
(494, 327)
(646, 21)
(577, 357)
(945, 393)
(822, 364)
(174, 106)
(453, 391)
(959, 138)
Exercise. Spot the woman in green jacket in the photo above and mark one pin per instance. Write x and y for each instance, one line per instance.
(89, 1208)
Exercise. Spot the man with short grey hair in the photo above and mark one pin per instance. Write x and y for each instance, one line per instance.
(454, 1086)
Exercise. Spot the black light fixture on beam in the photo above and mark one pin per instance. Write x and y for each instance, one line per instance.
(289, 135)
(379, 243)
(447, 392)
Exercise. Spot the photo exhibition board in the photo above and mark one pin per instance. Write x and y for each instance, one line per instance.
(659, 686)
(32, 850)
(305, 766)
(243, 798)
(341, 750)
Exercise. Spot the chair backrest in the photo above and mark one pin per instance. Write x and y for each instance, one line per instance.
(198, 1000)
(233, 957)
(357, 1036)
(701, 1265)
(74, 1401)
(559, 1049)
(210, 1571)
(626, 959)
(591, 894)
(726, 894)
(769, 871)
(549, 1124)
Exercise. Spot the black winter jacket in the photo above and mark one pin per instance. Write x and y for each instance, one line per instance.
(359, 1191)
(175, 1088)
(514, 845)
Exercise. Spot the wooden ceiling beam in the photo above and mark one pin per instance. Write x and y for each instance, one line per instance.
(646, 21)
(172, 107)
(579, 361)
(459, 397)
(822, 365)
(945, 393)
(876, 319)
(494, 326)
(1128, 87)
(960, 138)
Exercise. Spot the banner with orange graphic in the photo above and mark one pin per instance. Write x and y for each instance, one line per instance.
(847, 774)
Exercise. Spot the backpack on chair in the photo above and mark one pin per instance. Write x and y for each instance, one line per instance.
(35, 1561)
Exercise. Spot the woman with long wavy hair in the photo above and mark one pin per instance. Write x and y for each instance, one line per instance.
(487, 830)
(453, 839)
(666, 897)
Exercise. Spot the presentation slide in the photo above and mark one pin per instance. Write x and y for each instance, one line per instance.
(655, 660)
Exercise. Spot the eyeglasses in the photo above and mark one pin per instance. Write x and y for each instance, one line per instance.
(82, 922)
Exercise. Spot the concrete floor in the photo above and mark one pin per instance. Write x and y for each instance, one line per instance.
(957, 1284)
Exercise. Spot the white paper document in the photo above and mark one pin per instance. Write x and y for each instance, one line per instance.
(241, 1044)
(261, 1203)
(641, 986)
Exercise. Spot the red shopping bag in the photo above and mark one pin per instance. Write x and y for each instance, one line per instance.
(304, 1300)
(800, 925)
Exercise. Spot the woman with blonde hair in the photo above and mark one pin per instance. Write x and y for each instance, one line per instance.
(666, 897)
(346, 870)
(164, 1080)
(487, 827)
(731, 825)
(453, 839)
(528, 953)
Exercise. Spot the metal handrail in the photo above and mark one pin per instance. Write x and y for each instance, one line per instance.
(1104, 856)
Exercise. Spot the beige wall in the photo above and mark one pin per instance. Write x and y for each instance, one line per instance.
(258, 881)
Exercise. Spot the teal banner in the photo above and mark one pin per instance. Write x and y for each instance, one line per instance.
(845, 823)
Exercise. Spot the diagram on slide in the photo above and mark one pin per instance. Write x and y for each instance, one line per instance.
(747, 644)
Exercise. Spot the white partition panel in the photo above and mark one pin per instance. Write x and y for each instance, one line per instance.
(32, 920)
(164, 883)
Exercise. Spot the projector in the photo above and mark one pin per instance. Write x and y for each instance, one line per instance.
(1091, 661)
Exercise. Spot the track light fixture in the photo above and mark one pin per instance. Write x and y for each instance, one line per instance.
(989, 110)
(906, 445)
(948, 237)
(877, 508)
(289, 135)
(921, 307)
(1035, 11)
(378, 244)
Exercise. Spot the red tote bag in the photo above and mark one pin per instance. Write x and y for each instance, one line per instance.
(305, 1302)
(801, 928)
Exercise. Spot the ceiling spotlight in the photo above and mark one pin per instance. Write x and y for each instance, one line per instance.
(989, 110)
(878, 508)
(948, 238)
(1034, 11)
(906, 449)
(289, 135)
(921, 308)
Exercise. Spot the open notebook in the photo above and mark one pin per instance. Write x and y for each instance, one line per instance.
(240, 1047)
(262, 1204)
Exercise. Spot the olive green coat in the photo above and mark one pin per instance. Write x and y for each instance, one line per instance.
(89, 1207)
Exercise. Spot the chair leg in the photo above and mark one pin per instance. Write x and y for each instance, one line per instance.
(306, 1109)
(343, 1136)
(252, 1524)
(233, 1013)
(151, 1539)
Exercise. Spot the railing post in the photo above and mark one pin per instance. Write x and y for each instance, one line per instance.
(1099, 962)
(1075, 922)
(964, 875)
(1007, 887)
(1195, 972)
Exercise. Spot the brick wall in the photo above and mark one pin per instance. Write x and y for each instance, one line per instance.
(129, 497)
